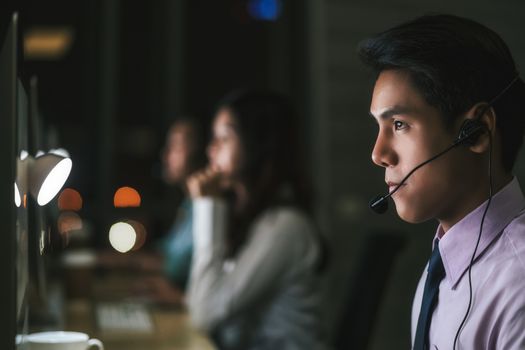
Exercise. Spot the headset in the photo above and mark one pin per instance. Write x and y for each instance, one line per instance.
(479, 129)
(490, 105)
(469, 133)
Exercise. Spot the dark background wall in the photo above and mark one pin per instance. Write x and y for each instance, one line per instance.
(134, 66)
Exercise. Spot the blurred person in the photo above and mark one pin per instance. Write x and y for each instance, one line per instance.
(162, 273)
(448, 98)
(254, 277)
(184, 153)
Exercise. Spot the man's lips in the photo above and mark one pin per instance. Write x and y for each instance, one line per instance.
(392, 185)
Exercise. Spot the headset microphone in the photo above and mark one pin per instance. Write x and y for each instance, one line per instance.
(379, 204)
(468, 133)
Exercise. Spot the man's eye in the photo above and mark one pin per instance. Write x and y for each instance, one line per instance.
(399, 125)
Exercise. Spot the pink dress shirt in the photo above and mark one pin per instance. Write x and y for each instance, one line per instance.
(497, 316)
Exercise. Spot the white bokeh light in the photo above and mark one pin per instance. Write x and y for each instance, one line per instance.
(122, 237)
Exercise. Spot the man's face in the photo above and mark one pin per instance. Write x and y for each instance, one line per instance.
(410, 132)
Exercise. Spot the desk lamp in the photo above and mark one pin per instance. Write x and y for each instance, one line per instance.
(43, 175)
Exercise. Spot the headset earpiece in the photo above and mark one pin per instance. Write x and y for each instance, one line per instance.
(470, 131)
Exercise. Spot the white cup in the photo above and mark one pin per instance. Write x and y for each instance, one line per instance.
(58, 340)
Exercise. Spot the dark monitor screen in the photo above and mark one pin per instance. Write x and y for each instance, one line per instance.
(14, 254)
(37, 225)
(22, 229)
(8, 211)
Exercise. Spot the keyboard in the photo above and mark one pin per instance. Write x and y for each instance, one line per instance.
(124, 317)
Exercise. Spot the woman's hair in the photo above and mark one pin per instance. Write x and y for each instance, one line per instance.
(272, 168)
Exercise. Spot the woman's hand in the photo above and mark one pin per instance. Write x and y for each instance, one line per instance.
(204, 183)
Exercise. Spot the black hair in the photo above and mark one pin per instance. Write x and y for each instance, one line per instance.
(272, 157)
(272, 168)
(455, 63)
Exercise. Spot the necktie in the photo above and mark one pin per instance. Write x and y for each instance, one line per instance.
(436, 272)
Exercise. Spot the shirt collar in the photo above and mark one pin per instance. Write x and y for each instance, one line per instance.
(457, 245)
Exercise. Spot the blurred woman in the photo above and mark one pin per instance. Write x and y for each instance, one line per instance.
(253, 282)
(184, 153)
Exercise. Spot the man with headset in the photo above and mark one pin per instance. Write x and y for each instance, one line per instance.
(448, 101)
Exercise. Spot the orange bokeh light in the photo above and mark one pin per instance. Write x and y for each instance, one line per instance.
(70, 199)
(126, 197)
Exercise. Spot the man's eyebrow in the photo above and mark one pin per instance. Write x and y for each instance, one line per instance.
(390, 112)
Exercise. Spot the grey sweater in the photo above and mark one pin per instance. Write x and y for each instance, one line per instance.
(265, 298)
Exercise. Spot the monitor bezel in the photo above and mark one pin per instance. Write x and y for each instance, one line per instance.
(8, 103)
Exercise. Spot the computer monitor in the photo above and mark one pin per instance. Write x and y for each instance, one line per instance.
(14, 253)
(22, 233)
(37, 223)
(9, 317)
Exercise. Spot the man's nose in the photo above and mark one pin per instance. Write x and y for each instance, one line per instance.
(383, 153)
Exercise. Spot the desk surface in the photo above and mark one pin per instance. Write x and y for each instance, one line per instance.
(173, 330)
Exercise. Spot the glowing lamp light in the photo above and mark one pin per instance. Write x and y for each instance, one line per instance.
(42, 176)
(122, 237)
(48, 175)
(21, 177)
(18, 196)
(69, 199)
(126, 197)
(265, 10)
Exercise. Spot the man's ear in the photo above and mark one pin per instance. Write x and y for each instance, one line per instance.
(487, 116)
